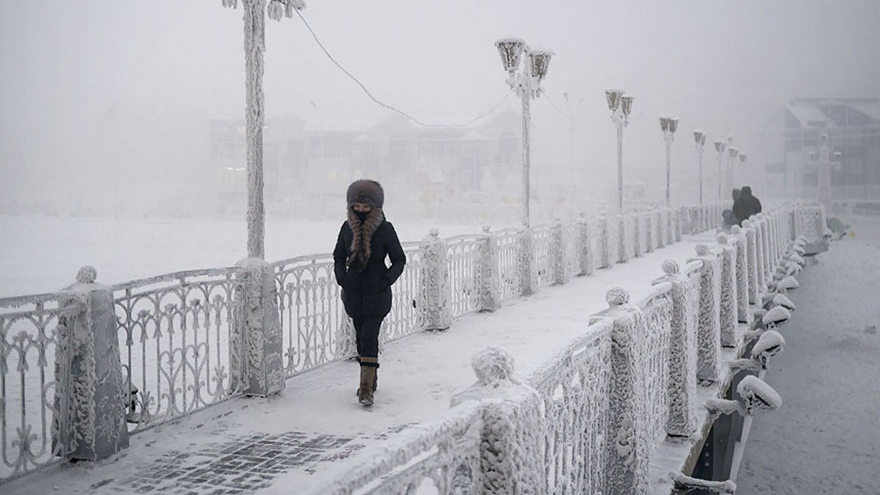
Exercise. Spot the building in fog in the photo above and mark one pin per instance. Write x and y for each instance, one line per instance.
(853, 128)
(428, 163)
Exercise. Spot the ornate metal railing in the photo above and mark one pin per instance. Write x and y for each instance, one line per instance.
(653, 358)
(27, 382)
(542, 242)
(463, 259)
(508, 263)
(174, 338)
(573, 386)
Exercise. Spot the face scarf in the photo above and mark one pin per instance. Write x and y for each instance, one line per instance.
(361, 215)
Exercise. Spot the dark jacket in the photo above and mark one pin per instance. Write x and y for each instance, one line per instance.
(746, 205)
(367, 291)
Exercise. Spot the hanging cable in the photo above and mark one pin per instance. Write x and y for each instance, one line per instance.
(385, 105)
(561, 112)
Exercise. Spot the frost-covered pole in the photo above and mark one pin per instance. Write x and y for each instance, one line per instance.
(824, 164)
(668, 125)
(254, 46)
(526, 84)
(719, 148)
(700, 140)
(620, 107)
(526, 157)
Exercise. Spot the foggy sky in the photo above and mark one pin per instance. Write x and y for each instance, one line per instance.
(93, 93)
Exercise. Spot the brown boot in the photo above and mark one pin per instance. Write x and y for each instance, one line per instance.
(365, 392)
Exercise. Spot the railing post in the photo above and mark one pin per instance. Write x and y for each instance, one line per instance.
(435, 290)
(622, 251)
(668, 223)
(676, 224)
(528, 265)
(585, 253)
(661, 235)
(637, 236)
(558, 254)
(728, 301)
(490, 278)
(752, 264)
(256, 346)
(682, 388)
(511, 457)
(650, 226)
(759, 251)
(604, 242)
(708, 331)
(742, 279)
(626, 457)
(768, 254)
(89, 420)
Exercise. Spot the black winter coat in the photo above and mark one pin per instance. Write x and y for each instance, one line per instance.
(368, 292)
(745, 206)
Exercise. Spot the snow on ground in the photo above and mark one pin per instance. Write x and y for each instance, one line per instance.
(417, 378)
(41, 253)
(825, 437)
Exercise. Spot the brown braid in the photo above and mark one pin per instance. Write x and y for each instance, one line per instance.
(362, 235)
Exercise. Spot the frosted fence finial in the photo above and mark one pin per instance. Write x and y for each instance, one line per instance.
(492, 365)
(736, 229)
(747, 224)
(616, 297)
(722, 238)
(86, 275)
(486, 228)
(670, 267)
(702, 250)
(434, 232)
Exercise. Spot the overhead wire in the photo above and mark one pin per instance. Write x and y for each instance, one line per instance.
(386, 105)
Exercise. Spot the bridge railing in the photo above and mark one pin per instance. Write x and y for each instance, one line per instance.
(187, 340)
(588, 419)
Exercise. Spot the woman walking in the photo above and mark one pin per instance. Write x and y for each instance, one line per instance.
(364, 241)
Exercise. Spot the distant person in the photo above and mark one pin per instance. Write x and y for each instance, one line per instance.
(745, 205)
(364, 241)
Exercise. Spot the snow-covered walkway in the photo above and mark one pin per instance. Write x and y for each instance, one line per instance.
(286, 443)
(825, 437)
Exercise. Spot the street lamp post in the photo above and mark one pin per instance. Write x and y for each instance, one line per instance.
(720, 146)
(700, 141)
(621, 107)
(254, 45)
(668, 125)
(527, 84)
(732, 152)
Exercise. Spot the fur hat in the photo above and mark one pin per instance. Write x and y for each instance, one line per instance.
(366, 191)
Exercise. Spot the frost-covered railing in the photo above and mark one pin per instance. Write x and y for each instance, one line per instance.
(28, 340)
(191, 339)
(174, 336)
(588, 419)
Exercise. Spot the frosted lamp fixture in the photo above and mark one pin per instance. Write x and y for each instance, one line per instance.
(699, 138)
(719, 146)
(539, 60)
(664, 124)
(627, 104)
(673, 124)
(613, 96)
(824, 138)
(732, 151)
(743, 157)
(510, 50)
